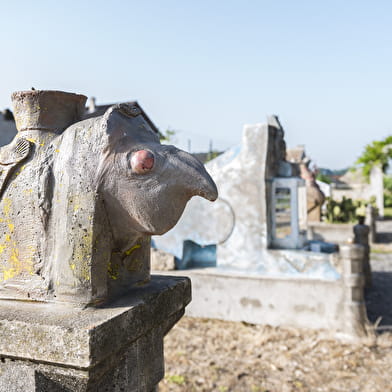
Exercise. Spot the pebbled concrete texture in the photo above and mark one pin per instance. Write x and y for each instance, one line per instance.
(119, 347)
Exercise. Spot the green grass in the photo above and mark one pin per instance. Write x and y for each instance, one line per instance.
(388, 212)
(380, 251)
(175, 379)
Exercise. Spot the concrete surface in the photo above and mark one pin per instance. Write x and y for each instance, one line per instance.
(296, 302)
(54, 347)
(379, 296)
(336, 304)
(330, 232)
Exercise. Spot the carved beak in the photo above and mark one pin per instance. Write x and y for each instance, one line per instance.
(204, 185)
(193, 175)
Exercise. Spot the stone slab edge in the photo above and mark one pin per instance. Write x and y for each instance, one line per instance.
(81, 338)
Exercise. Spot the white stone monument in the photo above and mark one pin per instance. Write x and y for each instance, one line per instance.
(377, 187)
(288, 203)
(258, 226)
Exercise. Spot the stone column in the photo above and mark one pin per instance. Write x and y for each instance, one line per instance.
(58, 348)
(361, 237)
(355, 318)
(370, 220)
(377, 187)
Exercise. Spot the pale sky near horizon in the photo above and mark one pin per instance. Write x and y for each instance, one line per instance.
(206, 68)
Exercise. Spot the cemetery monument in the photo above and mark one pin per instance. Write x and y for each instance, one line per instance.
(79, 202)
(257, 265)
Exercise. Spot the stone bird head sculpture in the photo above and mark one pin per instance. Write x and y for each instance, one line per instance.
(80, 202)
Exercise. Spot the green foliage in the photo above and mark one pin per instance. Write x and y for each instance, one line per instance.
(175, 379)
(388, 213)
(346, 210)
(223, 389)
(212, 155)
(387, 191)
(378, 152)
(168, 136)
(324, 178)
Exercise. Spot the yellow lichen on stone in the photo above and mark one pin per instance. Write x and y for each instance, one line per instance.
(112, 271)
(7, 206)
(82, 257)
(75, 202)
(130, 250)
(20, 170)
(16, 265)
(9, 273)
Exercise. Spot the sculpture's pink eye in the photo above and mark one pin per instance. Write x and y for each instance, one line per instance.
(142, 161)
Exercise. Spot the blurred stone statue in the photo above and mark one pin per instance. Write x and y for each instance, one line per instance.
(314, 196)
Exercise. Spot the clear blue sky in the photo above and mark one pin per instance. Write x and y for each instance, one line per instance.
(205, 68)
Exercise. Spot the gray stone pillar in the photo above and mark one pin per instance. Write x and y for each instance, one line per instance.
(355, 318)
(50, 347)
(377, 187)
(370, 220)
(361, 237)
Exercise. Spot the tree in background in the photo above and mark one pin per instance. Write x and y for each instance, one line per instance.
(388, 191)
(346, 210)
(168, 136)
(323, 178)
(379, 153)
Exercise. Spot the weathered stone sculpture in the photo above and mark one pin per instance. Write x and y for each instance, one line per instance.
(240, 223)
(314, 196)
(80, 200)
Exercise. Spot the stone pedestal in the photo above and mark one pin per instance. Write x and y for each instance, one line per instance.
(118, 347)
(361, 237)
(355, 317)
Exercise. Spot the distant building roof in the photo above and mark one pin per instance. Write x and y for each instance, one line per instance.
(93, 110)
(8, 128)
(296, 154)
(350, 178)
(204, 157)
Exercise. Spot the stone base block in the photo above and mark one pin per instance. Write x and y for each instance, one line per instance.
(286, 301)
(119, 347)
(162, 261)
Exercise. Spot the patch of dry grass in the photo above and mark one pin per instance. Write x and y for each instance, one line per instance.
(212, 355)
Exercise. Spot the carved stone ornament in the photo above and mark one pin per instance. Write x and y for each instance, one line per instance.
(80, 199)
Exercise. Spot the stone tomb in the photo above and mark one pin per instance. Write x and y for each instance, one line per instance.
(263, 273)
(79, 200)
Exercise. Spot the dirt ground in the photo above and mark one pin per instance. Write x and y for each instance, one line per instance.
(212, 355)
